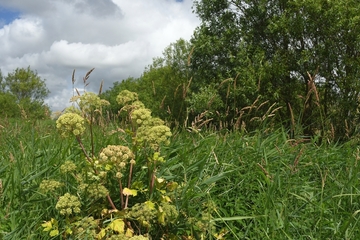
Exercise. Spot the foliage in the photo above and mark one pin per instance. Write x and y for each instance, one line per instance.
(229, 185)
(144, 201)
(8, 105)
(163, 85)
(22, 93)
(268, 48)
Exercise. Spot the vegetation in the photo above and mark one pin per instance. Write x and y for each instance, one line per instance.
(280, 52)
(22, 93)
(230, 185)
(269, 48)
(163, 85)
(248, 131)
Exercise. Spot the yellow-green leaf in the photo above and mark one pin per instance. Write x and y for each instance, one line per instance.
(108, 167)
(172, 186)
(117, 225)
(129, 233)
(166, 198)
(160, 182)
(54, 233)
(150, 205)
(47, 226)
(130, 192)
(161, 218)
(69, 231)
(101, 234)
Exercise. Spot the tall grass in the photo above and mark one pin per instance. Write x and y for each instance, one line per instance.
(233, 185)
(258, 186)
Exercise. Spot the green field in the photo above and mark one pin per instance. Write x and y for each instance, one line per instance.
(231, 185)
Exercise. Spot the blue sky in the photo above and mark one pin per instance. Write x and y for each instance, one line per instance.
(7, 15)
(118, 38)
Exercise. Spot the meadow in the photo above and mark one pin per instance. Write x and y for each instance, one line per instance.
(232, 185)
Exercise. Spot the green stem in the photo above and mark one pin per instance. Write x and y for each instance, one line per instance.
(111, 202)
(121, 194)
(152, 181)
(129, 185)
(83, 149)
(91, 134)
(95, 170)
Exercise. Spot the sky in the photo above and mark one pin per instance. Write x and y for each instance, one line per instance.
(118, 38)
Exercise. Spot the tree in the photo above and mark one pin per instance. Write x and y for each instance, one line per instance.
(163, 84)
(273, 45)
(28, 90)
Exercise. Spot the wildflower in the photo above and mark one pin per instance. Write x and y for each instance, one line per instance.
(72, 109)
(154, 135)
(116, 155)
(155, 122)
(68, 204)
(137, 105)
(49, 185)
(89, 102)
(167, 213)
(97, 191)
(70, 123)
(85, 228)
(156, 157)
(68, 166)
(141, 116)
(125, 97)
(145, 213)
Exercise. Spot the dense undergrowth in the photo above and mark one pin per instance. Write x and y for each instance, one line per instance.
(231, 185)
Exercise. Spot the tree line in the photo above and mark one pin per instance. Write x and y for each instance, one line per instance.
(250, 57)
(22, 94)
(302, 55)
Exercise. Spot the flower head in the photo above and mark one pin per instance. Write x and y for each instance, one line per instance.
(68, 166)
(70, 123)
(154, 135)
(72, 109)
(68, 204)
(125, 97)
(95, 191)
(141, 116)
(116, 155)
(49, 185)
(89, 102)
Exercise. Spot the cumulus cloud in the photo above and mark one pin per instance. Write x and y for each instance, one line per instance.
(117, 37)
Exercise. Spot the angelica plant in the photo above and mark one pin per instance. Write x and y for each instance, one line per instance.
(139, 202)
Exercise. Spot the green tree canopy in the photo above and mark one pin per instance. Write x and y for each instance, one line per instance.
(163, 84)
(269, 46)
(26, 90)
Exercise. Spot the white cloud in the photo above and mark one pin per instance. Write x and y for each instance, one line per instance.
(119, 38)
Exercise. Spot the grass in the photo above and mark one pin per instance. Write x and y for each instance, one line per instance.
(231, 185)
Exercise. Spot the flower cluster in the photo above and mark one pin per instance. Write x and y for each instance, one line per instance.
(85, 228)
(89, 102)
(116, 155)
(72, 109)
(141, 116)
(154, 135)
(122, 236)
(97, 191)
(68, 204)
(68, 166)
(167, 213)
(145, 213)
(157, 158)
(125, 97)
(137, 104)
(49, 185)
(70, 123)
